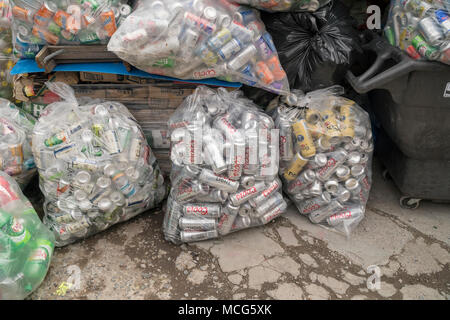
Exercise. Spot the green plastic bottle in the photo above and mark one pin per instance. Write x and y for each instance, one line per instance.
(19, 236)
(37, 264)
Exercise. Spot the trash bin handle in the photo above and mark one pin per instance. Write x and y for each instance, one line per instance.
(373, 79)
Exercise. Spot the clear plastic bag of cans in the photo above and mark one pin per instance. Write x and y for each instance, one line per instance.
(326, 150)
(16, 129)
(201, 39)
(65, 22)
(26, 245)
(95, 166)
(284, 5)
(224, 167)
(420, 28)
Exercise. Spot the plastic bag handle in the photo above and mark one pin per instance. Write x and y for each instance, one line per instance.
(375, 78)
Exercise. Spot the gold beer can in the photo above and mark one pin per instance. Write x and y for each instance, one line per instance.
(295, 167)
(304, 139)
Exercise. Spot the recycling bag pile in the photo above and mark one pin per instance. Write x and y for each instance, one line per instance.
(16, 129)
(200, 39)
(71, 22)
(26, 245)
(225, 167)
(421, 28)
(284, 5)
(95, 166)
(326, 157)
(6, 58)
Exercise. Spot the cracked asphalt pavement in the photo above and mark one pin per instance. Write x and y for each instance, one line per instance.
(407, 250)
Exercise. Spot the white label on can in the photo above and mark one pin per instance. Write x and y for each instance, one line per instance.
(447, 91)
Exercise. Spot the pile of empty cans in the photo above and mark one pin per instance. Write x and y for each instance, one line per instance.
(326, 153)
(16, 128)
(95, 166)
(200, 39)
(225, 167)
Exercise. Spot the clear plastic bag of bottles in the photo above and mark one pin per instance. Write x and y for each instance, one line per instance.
(201, 39)
(225, 167)
(421, 28)
(16, 129)
(284, 5)
(26, 245)
(6, 57)
(326, 150)
(65, 22)
(95, 166)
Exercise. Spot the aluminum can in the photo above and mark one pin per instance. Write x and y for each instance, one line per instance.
(229, 214)
(197, 224)
(273, 187)
(304, 140)
(274, 213)
(315, 204)
(202, 210)
(241, 197)
(301, 182)
(295, 167)
(348, 213)
(320, 215)
(219, 182)
(193, 236)
(335, 160)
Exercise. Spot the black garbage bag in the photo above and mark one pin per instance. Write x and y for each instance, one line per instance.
(315, 48)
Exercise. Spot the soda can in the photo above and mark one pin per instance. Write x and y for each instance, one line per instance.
(315, 204)
(200, 24)
(264, 73)
(315, 189)
(201, 210)
(23, 14)
(242, 33)
(214, 196)
(430, 30)
(62, 18)
(273, 213)
(348, 213)
(424, 49)
(246, 210)
(357, 170)
(263, 48)
(353, 186)
(443, 19)
(216, 155)
(319, 215)
(333, 131)
(295, 167)
(45, 13)
(108, 21)
(347, 125)
(45, 35)
(270, 203)
(224, 124)
(301, 182)
(312, 116)
(323, 144)
(193, 236)
(220, 40)
(210, 14)
(303, 138)
(276, 69)
(236, 168)
(229, 214)
(320, 160)
(286, 142)
(243, 196)
(248, 181)
(343, 173)
(335, 160)
(242, 58)
(273, 187)
(219, 182)
(251, 152)
(197, 224)
(332, 186)
(354, 157)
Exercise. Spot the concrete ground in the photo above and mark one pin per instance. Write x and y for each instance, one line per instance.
(407, 251)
